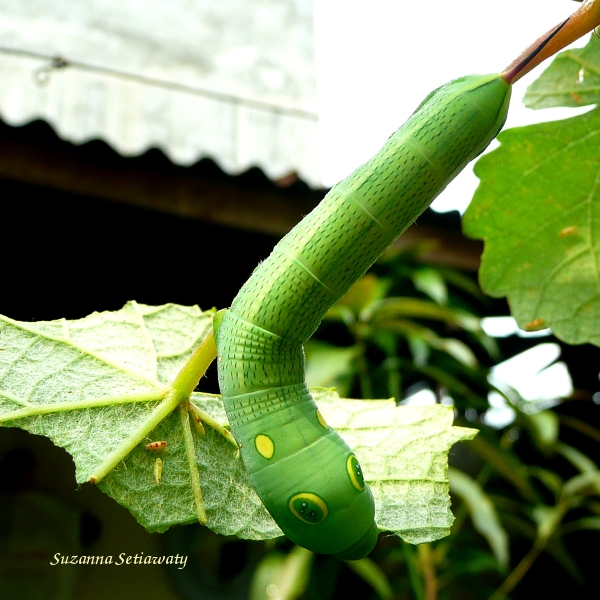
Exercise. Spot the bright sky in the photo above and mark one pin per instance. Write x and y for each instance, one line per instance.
(377, 60)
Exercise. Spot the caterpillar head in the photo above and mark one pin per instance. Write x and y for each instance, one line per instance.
(330, 509)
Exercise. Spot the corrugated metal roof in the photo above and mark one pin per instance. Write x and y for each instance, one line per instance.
(232, 80)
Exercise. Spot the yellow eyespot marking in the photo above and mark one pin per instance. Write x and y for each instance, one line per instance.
(264, 444)
(567, 231)
(309, 508)
(156, 445)
(534, 325)
(356, 475)
(158, 471)
(321, 419)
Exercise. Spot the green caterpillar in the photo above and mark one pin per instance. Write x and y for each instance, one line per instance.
(305, 474)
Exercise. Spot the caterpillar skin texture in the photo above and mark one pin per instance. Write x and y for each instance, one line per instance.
(305, 474)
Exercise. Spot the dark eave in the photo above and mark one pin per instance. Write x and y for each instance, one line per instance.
(34, 154)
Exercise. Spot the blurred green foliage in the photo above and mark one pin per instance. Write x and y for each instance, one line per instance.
(405, 327)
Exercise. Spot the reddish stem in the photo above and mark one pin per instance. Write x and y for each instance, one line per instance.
(582, 21)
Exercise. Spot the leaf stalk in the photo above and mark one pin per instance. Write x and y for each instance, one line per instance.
(582, 21)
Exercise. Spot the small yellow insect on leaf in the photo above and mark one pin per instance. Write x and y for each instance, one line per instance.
(158, 467)
(195, 414)
(567, 231)
(534, 325)
(156, 445)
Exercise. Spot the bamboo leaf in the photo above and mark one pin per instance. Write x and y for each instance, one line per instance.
(578, 459)
(282, 577)
(483, 513)
(581, 485)
(544, 428)
(505, 463)
(370, 572)
(429, 281)
(548, 519)
(330, 366)
(393, 308)
(585, 523)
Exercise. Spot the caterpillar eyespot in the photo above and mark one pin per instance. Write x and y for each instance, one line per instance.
(355, 472)
(308, 508)
(156, 445)
(158, 469)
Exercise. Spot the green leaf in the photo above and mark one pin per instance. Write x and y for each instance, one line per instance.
(404, 454)
(552, 480)
(589, 523)
(330, 366)
(453, 385)
(470, 561)
(544, 428)
(420, 350)
(556, 548)
(459, 351)
(422, 339)
(582, 485)
(548, 519)
(464, 282)
(394, 308)
(90, 385)
(430, 281)
(282, 577)
(573, 79)
(370, 572)
(536, 208)
(483, 513)
(100, 388)
(363, 292)
(504, 462)
(414, 571)
(578, 459)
